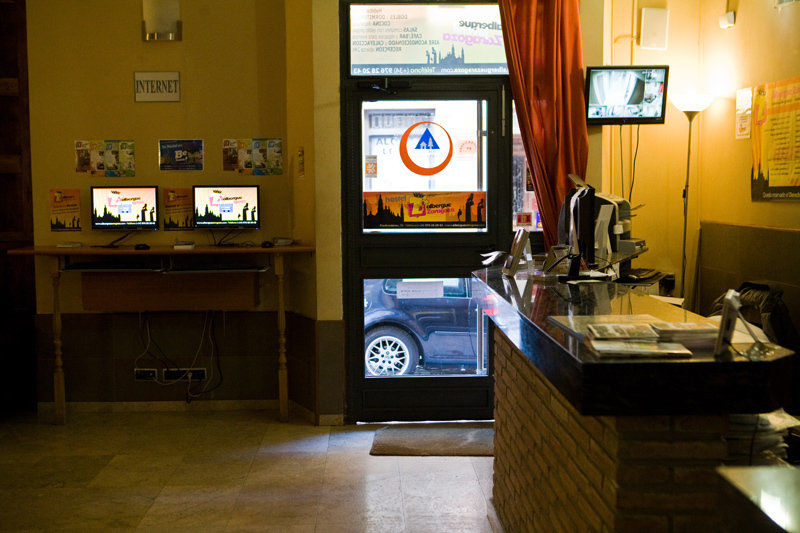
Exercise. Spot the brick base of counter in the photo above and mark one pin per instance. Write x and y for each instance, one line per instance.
(557, 470)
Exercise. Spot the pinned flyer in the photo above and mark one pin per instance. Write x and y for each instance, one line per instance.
(371, 166)
(180, 154)
(178, 209)
(109, 158)
(65, 210)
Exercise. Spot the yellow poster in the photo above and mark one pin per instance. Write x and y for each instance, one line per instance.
(65, 210)
(460, 209)
(178, 209)
(776, 141)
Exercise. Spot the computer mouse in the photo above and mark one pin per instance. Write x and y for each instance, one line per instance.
(141, 246)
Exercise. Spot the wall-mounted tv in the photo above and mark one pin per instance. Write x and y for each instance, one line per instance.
(626, 95)
(124, 208)
(226, 206)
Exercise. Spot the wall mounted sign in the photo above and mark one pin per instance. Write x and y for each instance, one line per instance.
(775, 136)
(452, 209)
(180, 154)
(157, 86)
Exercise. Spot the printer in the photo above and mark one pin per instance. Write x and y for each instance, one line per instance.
(612, 216)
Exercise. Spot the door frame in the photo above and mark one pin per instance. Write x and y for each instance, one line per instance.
(366, 256)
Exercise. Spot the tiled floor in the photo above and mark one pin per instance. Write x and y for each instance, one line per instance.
(227, 471)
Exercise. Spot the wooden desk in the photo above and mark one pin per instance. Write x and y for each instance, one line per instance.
(66, 263)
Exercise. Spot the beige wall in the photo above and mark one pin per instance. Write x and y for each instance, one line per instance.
(762, 47)
(82, 56)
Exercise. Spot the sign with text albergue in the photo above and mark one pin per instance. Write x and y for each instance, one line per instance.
(157, 86)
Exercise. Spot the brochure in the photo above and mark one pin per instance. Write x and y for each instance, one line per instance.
(641, 332)
(65, 210)
(643, 349)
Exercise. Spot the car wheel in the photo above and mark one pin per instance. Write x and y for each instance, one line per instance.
(390, 352)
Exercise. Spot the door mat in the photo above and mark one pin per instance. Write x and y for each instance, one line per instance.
(469, 438)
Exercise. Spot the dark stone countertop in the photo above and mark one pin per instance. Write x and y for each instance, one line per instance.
(520, 308)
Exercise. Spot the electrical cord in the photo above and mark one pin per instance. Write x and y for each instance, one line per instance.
(633, 166)
(621, 173)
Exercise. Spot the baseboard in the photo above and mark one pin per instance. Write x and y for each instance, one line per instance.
(331, 420)
(48, 408)
(305, 414)
(491, 514)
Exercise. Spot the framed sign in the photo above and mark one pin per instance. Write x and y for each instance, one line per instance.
(157, 86)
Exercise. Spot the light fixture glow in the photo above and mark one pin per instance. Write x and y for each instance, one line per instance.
(691, 101)
(161, 20)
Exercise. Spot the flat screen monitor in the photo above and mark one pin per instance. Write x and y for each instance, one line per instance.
(626, 95)
(226, 206)
(124, 208)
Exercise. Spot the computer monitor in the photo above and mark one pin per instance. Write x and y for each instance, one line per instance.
(626, 95)
(226, 206)
(124, 208)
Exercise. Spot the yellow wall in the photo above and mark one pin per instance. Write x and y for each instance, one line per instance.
(82, 56)
(762, 47)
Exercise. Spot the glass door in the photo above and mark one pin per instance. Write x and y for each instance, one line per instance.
(423, 200)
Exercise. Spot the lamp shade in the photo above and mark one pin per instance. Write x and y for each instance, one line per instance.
(161, 20)
(696, 102)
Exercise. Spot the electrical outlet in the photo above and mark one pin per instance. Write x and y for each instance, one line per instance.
(182, 374)
(145, 374)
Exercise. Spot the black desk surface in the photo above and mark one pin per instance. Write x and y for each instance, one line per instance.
(698, 385)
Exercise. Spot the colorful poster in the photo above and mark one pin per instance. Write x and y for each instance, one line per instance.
(110, 158)
(65, 210)
(178, 209)
(244, 156)
(180, 154)
(82, 156)
(419, 40)
(97, 160)
(775, 141)
(127, 158)
(462, 209)
(230, 157)
(273, 156)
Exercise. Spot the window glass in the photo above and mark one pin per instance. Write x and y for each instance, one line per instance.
(424, 165)
(430, 331)
(524, 208)
(426, 40)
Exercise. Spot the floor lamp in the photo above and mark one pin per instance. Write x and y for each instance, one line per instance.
(691, 104)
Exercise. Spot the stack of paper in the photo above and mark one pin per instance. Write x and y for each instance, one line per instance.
(690, 334)
(645, 349)
(758, 439)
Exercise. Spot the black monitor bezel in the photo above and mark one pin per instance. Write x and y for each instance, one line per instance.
(604, 121)
(225, 225)
(125, 227)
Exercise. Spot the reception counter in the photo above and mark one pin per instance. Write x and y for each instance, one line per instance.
(590, 444)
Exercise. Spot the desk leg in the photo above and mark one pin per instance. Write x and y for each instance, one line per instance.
(59, 395)
(283, 377)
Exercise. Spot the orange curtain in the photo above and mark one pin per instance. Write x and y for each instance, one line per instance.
(545, 63)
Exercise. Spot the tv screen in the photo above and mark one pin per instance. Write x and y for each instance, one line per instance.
(226, 206)
(124, 208)
(626, 95)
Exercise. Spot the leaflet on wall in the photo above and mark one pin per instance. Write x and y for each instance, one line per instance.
(65, 210)
(127, 158)
(260, 157)
(97, 161)
(180, 154)
(273, 155)
(775, 139)
(82, 156)
(433, 39)
(178, 205)
(744, 99)
(111, 158)
(462, 209)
